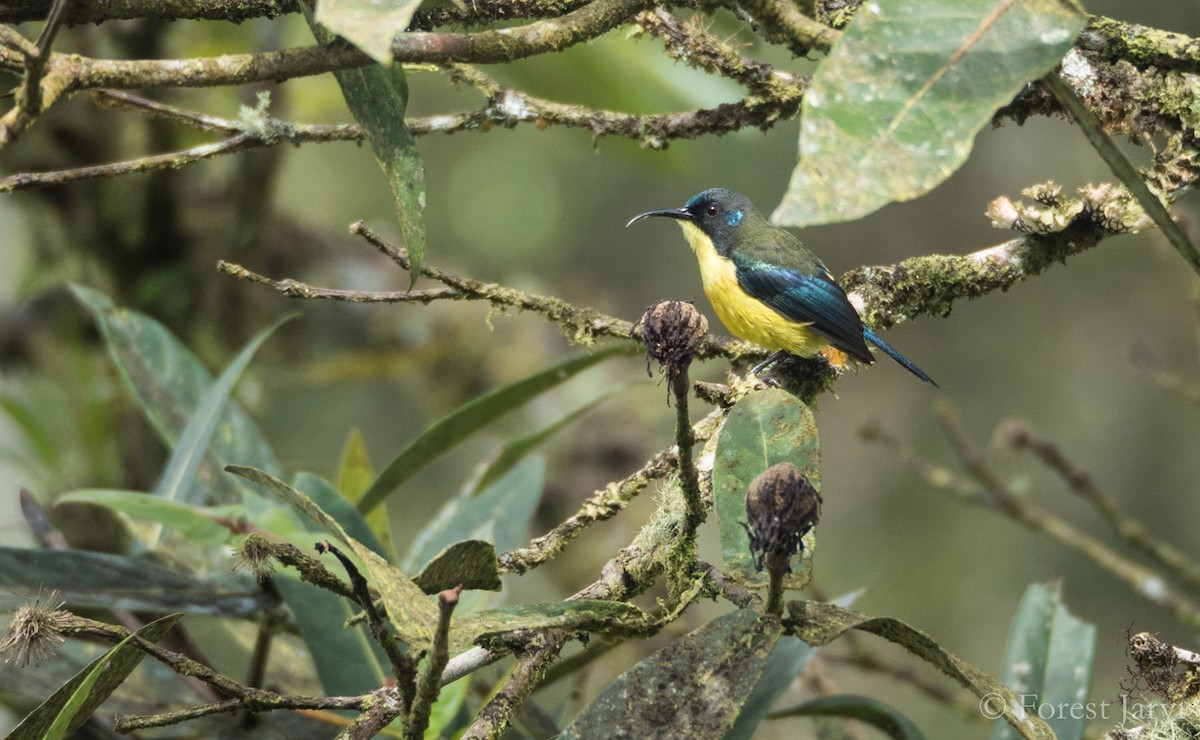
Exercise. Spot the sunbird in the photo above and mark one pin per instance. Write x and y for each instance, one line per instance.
(765, 285)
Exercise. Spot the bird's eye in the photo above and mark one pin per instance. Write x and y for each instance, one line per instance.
(712, 210)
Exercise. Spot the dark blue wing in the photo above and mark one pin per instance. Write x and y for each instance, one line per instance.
(810, 298)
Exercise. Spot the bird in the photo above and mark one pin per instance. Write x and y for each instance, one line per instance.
(767, 287)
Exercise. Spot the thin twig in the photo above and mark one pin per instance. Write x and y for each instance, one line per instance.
(989, 491)
(1127, 528)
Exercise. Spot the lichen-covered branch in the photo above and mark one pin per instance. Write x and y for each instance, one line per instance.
(1059, 228)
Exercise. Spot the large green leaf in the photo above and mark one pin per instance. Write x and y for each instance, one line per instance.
(411, 612)
(119, 582)
(168, 382)
(201, 525)
(499, 514)
(329, 500)
(788, 658)
(515, 450)
(894, 109)
(69, 707)
(693, 687)
(1048, 662)
(368, 24)
(763, 429)
(471, 416)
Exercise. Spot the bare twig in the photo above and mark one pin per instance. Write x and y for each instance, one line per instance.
(1127, 528)
(987, 490)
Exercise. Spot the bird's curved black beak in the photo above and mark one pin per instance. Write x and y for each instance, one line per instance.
(680, 213)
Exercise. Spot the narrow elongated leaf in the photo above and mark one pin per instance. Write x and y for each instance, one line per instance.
(409, 609)
(377, 96)
(167, 382)
(119, 582)
(69, 707)
(205, 526)
(763, 429)
(819, 624)
(863, 708)
(788, 658)
(355, 474)
(175, 483)
(473, 415)
(1048, 662)
(894, 109)
(514, 450)
(500, 514)
(327, 499)
(709, 673)
(370, 26)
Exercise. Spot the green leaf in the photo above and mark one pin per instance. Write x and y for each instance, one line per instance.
(368, 24)
(819, 624)
(863, 708)
(788, 658)
(204, 526)
(500, 514)
(36, 434)
(471, 416)
(470, 563)
(894, 109)
(377, 96)
(355, 474)
(513, 451)
(181, 468)
(167, 382)
(329, 500)
(348, 660)
(763, 429)
(411, 612)
(1048, 662)
(69, 707)
(709, 672)
(137, 584)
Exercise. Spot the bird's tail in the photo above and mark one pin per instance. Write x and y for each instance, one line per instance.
(874, 339)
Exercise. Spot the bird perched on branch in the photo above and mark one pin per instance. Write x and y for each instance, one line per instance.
(765, 285)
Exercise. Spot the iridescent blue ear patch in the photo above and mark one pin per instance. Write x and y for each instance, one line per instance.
(734, 218)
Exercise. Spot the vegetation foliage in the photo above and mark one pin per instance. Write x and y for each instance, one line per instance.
(399, 634)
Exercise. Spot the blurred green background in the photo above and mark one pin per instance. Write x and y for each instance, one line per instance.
(545, 211)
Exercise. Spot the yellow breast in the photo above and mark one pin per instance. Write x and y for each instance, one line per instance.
(742, 314)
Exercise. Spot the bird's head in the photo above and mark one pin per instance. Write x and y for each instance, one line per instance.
(720, 215)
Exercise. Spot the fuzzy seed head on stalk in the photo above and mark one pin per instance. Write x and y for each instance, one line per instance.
(255, 556)
(35, 630)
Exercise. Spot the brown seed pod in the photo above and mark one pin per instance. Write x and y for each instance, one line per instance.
(781, 507)
(671, 331)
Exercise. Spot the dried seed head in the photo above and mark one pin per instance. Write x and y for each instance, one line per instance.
(255, 556)
(671, 331)
(35, 631)
(781, 507)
